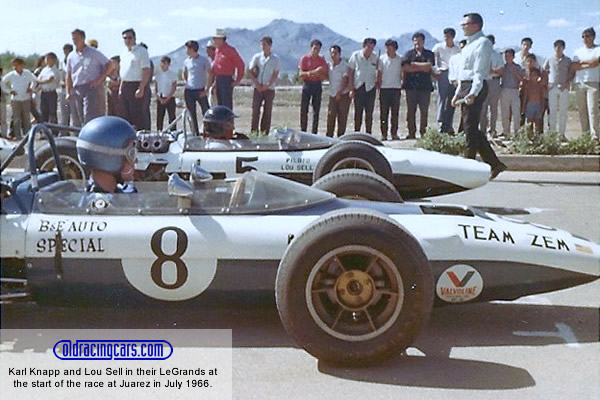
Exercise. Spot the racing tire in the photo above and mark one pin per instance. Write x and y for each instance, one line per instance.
(358, 184)
(353, 154)
(354, 288)
(67, 150)
(362, 137)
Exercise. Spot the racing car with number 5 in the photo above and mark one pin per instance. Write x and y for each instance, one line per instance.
(295, 155)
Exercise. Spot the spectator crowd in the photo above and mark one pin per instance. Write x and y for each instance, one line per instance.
(520, 87)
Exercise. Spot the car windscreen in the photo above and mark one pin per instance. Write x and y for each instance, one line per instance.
(279, 140)
(252, 193)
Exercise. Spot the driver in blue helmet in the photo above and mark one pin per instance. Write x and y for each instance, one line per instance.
(107, 146)
(219, 127)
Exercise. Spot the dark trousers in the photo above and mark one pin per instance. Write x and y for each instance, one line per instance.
(414, 99)
(470, 115)
(224, 91)
(49, 106)
(338, 110)
(262, 99)
(160, 113)
(389, 100)
(364, 101)
(311, 93)
(191, 96)
(135, 110)
(114, 104)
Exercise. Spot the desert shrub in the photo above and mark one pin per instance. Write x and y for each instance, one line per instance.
(526, 141)
(442, 142)
(584, 144)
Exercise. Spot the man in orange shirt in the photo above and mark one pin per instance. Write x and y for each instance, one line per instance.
(227, 61)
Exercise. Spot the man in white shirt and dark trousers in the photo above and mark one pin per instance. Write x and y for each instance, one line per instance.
(493, 98)
(49, 80)
(587, 79)
(264, 71)
(166, 84)
(389, 79)
(474, 69)
(443, 51)
(19, 83)
(339, 92)
(135, 75)
(363, 72)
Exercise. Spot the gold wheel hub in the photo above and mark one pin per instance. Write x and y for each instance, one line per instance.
(354, 289)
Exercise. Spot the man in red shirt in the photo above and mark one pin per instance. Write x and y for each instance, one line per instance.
(227, 61)
(313, 69)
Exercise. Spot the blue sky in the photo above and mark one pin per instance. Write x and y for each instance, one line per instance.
(45, 25)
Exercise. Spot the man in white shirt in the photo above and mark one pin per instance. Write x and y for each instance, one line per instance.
(264, 71)
(19, 83)
(135, 73)
(63, 104)
(339, 89)
(49, 80)
(474, 69)
(443, 51)
(389, 79)
(166, 85)
(587, 79)
(3, 109)
(493, 98)
(363, 73)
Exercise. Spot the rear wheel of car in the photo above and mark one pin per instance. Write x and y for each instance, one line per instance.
(67, 151)
(353, 155)
(354, 288)
(358, 184)
(362, 137)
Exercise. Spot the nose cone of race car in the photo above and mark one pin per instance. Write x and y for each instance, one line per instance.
(454, 170)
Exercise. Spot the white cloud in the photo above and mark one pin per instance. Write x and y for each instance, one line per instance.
(515, 28)
(558, 23)
(238, 13)
(70, 11)
(593, 14)
(150, 23)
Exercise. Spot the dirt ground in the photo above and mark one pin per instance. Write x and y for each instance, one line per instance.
(286, 112)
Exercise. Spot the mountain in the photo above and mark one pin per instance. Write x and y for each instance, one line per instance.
(291, 40)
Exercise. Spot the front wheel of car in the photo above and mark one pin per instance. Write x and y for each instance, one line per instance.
(354, 288)
(353, 155)
(358, 184)
(362, 137)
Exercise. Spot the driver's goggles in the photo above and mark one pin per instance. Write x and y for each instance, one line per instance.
(131, 152)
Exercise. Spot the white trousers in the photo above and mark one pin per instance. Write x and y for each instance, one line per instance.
(558, 102)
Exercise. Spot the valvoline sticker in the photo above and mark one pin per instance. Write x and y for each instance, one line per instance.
(459, 283)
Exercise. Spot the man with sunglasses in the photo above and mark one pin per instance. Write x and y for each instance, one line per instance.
(136, 73)
(587, 80)
(106, 145)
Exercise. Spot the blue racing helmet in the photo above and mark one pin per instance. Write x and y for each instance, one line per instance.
(105, 142)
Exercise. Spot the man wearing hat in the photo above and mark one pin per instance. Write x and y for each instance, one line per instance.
(227, 61)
